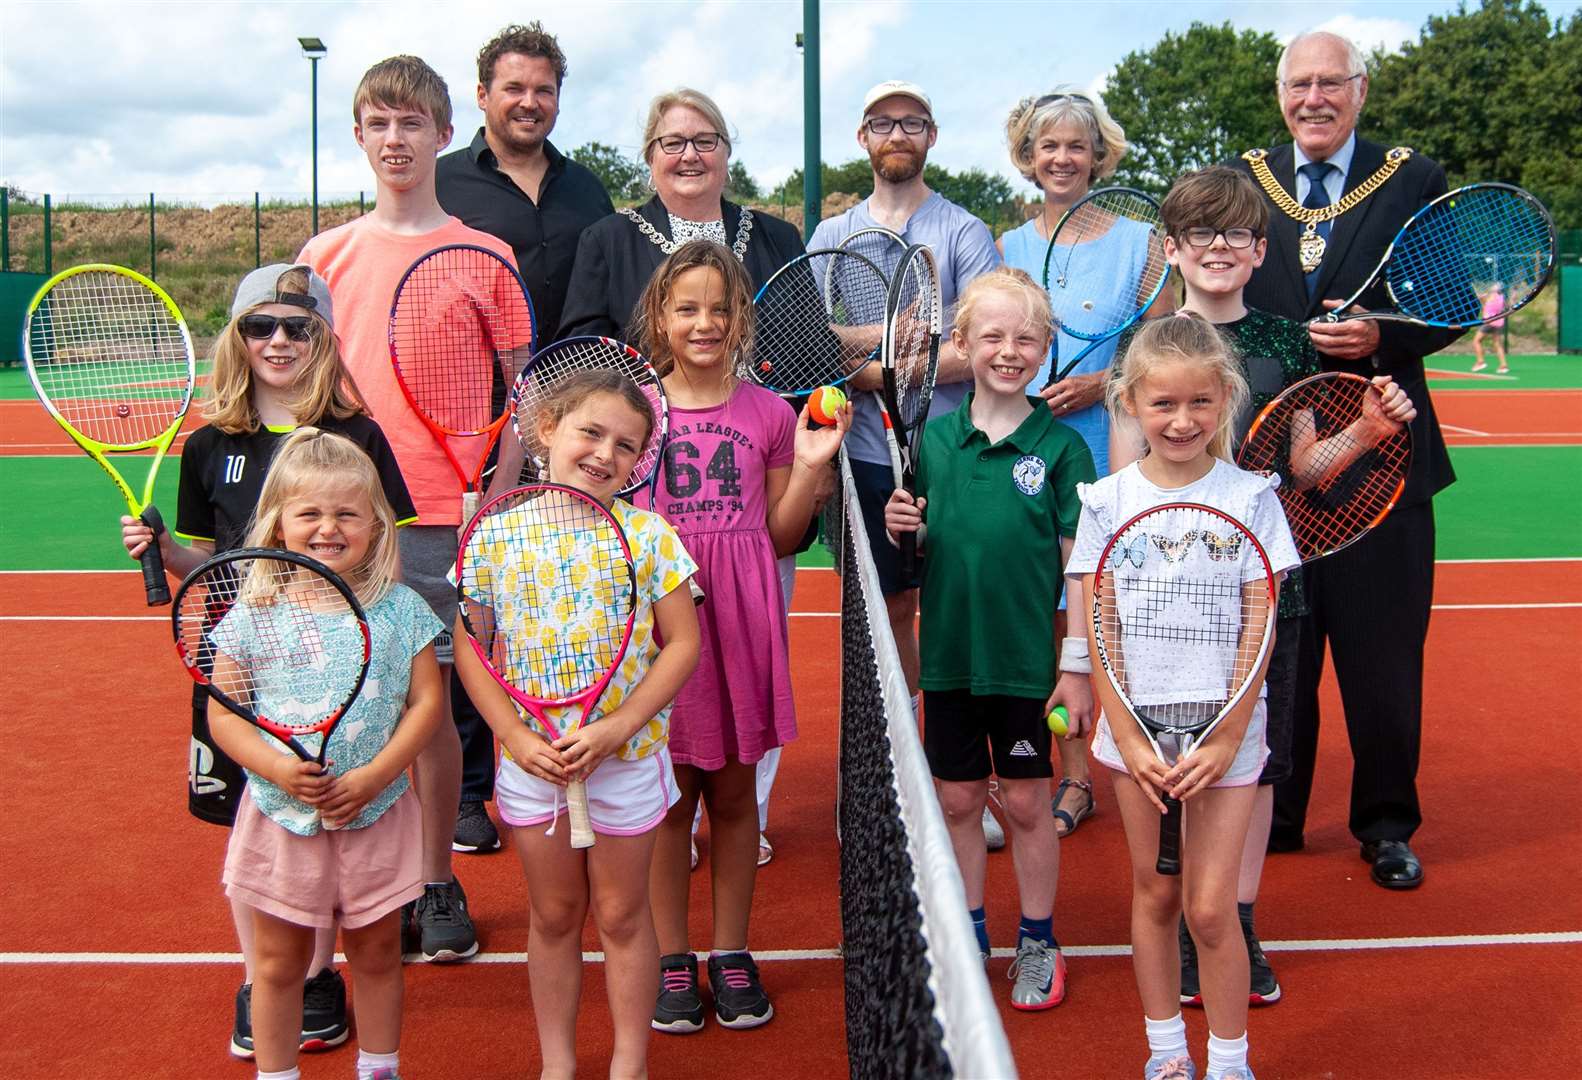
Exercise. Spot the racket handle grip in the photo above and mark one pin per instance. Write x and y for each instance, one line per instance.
(577, 810)
(1169, 863)
(155, 586)
(469, 507)
(908, 544)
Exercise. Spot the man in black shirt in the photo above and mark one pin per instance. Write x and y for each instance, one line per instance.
(512, 182)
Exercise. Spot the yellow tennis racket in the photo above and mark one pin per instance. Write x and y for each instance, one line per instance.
(110, 358)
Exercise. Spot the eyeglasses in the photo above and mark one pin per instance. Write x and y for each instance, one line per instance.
(262, 327)
(1203, 237)
(883, 125)
(1329, 87)
(1050, 99)
(703, 142)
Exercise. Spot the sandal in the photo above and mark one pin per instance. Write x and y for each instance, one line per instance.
(1066, 822)
(766, 850)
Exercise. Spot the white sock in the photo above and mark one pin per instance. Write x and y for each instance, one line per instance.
(1226, 1054)
(1166, 1038)
(286, 1074)
(368, 1064)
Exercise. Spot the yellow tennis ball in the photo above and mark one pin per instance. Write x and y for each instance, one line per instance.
(1058, 720)
(824, 402)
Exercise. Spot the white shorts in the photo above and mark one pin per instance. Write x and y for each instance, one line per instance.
(625, 798)
(1244, 770)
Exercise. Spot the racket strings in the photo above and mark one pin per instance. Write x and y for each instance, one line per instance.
(817, 321)
(110, 357)
(1122, 230)
(1445, 265)
(913, 343)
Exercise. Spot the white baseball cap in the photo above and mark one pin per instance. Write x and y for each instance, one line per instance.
(262, 286)
(897, 88)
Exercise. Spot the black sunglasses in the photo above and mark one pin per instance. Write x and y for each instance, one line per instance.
(262, 327)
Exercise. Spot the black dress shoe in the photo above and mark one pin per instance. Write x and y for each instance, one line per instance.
(1394, 864)
(1281, 841)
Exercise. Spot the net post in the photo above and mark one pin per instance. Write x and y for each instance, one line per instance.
(49, 247)
(258, 231)
(153, 265)
(5, 228)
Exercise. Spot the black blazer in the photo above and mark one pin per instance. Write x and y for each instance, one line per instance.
(615, 260)
(1356, 243)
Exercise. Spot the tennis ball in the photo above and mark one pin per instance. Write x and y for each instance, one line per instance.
(824, 402)
(1058, 720)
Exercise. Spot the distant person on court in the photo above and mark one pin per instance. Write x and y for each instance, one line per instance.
(512, 182)
(1338, 201)
(1493, 305)
(323, 497)
(1215, 225)
(1179, 381)
(997, 485)
(739, 488)
(597, 417)
(277, 367)
(402, 113)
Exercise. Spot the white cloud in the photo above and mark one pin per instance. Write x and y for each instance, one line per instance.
(1369, 33)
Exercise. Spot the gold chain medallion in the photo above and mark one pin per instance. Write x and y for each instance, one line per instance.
(1310, 249)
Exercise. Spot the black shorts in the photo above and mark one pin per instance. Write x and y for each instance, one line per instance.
(1280, 685)
(874, 484)
(967, 736)
(214, 781)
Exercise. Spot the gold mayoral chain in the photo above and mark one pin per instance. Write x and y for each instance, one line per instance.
(1311, 246)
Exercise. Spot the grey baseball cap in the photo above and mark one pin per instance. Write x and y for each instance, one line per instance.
(262, 286)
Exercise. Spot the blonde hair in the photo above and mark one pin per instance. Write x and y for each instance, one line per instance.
(569, 394)
(311, 459)
(1182, 337)
(1032, 116)
(404, 82)
(1007, 281)
(648, 322)
(324, 388)
(696, 100)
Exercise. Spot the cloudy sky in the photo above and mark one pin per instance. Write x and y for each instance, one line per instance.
(203, 100)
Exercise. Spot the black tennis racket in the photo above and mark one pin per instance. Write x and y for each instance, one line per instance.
(818, 321)
(1184, 605)
(1104, 268)
(913, 318)
(278, 639)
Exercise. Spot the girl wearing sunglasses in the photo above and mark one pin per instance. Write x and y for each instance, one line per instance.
(277, 367)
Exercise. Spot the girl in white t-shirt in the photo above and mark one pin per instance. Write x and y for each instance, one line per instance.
(1181, 384)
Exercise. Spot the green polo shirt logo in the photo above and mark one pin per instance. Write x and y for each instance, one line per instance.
(1028, 473)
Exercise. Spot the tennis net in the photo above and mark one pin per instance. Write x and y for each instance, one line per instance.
(917, 1000)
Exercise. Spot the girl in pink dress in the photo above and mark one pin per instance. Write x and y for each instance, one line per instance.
(1493, 305)
(737, 483)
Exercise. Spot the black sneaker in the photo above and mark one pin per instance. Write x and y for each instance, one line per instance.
(324, 1011)
(242, 1031)
(445, 929)
(475, 833)
(1191, 992)
(1264, 988)
(739, 998)
(679, 1009)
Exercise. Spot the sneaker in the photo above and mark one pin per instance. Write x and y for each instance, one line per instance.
(242, 1030)
(679, 1009)
(475, 833)
(739, 998)
(694, 853)
(1231, 1074)
(993, 834)
(324, 1011)
(766, 850)
(1176, 1067)
(384, 1074)
(1040, 975)
(1264, 988)
(445, 928)
(1191, 990)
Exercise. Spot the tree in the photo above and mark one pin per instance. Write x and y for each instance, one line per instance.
(622, 177)
(740, 186)
(988, 196)
(1194, 99)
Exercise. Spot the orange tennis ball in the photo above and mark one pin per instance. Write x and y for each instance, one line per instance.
(1059, 720)
(824, 403)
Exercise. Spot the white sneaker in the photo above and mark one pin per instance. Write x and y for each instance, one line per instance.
(993, 834)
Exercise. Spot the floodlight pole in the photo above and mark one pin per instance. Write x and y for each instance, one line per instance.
(314, 50)
(812, 158)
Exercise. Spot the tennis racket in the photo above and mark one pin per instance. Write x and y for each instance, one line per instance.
(1342, 462)
(914, 314)
(461, 328)
(818, 321)
(555, 363)
(278, 639)
(1439, 268)
(109, 356)
(1104, 267)
(1183, 619)
(549, 597)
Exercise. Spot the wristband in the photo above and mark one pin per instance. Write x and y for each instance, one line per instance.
(1074, 656)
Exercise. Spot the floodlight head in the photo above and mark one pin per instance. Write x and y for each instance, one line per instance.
(312, 47)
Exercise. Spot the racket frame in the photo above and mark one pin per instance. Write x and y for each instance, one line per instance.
(1168, 862)
(155, 587)
(1339, 314)
(899, 436)
(804, 264)
(582, 835)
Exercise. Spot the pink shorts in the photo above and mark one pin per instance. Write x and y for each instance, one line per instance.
(1244, 770)
(625, 798)
(353, 876)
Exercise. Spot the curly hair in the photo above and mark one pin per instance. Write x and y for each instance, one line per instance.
(529, 40)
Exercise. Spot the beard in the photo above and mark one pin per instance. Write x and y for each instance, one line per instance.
(897, 165)
(518, 141)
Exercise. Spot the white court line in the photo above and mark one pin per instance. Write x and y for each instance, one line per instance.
(1462, 430)
(1437, 941)
(1475, 376)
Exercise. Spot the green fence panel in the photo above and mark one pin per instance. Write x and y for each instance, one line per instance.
(1570, 309)
(16, 290)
